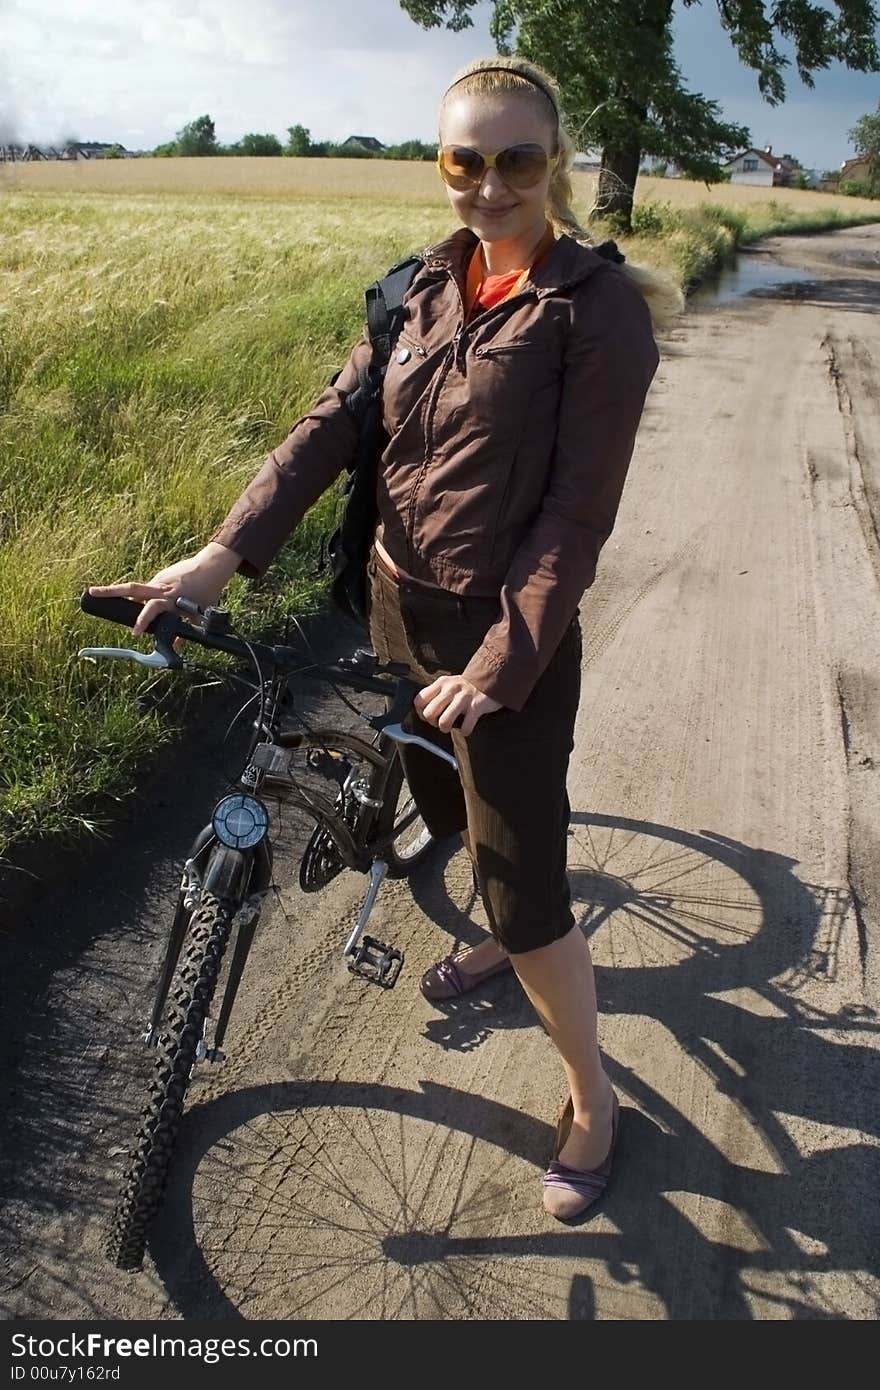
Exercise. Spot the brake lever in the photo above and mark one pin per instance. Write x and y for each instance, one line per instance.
(401, 735)
(391, 723)
(155, 659)
(163, 656)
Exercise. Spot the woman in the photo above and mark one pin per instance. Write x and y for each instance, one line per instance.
(511, 405)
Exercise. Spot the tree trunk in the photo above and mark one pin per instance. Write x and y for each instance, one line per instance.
(617, 182)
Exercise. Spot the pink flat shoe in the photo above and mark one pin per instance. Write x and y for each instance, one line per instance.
(445, 981)
(569, 1192)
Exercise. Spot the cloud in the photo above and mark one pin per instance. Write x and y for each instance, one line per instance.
(147, 66)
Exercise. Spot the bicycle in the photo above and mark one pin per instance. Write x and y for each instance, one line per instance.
(371, 825)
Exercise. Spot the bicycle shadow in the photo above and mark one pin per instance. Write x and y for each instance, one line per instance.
(329, 1237)
(739, 1208)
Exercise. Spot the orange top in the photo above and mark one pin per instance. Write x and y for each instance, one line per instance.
(485, 291)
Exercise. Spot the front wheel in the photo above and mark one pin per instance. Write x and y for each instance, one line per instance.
(413, 841)
(189, 1003)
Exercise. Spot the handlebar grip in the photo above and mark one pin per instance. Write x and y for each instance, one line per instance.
(115, 610)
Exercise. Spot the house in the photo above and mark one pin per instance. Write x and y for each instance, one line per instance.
(789, 171)
(73, 150)
(12, 153)
(760, 167)
(362, 144)
(856, 169)
(589, 159)
(86, 149)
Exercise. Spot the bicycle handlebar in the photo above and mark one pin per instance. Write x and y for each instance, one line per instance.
(212, 631)
(116, 610)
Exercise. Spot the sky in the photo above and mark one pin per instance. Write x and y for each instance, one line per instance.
(137, 70)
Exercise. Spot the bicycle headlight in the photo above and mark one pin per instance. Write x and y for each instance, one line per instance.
(240, 821)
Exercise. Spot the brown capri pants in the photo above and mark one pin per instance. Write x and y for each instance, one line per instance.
(509, 793)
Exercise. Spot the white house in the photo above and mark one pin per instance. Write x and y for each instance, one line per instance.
(754, 166)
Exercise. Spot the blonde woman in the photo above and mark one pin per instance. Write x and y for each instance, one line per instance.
(511, 405)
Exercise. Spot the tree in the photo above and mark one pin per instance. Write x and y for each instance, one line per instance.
(197, 138)
(299, 141)
(865, 135)
(623, 89)
(259, 144)
(410, 149)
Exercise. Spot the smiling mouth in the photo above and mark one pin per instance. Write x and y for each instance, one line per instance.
(496, 212)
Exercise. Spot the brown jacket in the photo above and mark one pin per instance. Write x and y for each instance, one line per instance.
(509, 441)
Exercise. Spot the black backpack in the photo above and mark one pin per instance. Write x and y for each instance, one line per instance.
(348, 547)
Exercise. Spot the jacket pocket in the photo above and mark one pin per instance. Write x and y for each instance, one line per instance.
(407, 376)
(502, 349)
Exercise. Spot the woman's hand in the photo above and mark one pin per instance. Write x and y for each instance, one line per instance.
(450, 698)
(201, 577)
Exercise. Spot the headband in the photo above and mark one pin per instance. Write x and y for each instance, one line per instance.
(524, 76)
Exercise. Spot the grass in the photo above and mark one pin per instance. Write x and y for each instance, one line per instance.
(154, 344)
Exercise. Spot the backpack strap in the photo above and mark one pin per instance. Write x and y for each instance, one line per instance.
(384, 305)
(384, 308)
(347, 547)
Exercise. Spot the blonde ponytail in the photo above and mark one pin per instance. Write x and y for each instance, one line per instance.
(489, 76)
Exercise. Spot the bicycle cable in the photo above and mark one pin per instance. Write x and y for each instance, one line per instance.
(329, 681)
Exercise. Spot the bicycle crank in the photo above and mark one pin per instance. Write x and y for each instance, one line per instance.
(321, 861)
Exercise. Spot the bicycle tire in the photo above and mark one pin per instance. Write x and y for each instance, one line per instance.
(400, 863)
(143, 1186)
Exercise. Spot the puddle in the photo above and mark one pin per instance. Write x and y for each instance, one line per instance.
(755, 273)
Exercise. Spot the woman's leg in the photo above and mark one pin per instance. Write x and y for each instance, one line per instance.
(513, 769)
(474, 960)
(558, 980)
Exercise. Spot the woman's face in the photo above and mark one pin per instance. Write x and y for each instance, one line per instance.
(495, 211)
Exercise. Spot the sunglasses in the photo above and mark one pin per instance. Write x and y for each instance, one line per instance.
(520, 166)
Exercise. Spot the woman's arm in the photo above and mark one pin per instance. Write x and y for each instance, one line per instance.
(319, 446)
(611, 360)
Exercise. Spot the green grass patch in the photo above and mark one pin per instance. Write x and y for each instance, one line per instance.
(693, 241)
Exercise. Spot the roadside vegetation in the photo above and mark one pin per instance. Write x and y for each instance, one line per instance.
(155, 342)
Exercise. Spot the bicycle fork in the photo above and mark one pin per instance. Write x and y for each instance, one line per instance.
(223, 874)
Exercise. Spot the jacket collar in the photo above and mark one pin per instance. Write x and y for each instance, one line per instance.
(566, 263)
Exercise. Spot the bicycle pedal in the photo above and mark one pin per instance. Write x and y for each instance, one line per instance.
(375, 961)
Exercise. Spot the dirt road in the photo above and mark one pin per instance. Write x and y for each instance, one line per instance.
(364, 1154)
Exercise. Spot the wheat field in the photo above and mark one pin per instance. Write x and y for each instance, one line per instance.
(409, 181)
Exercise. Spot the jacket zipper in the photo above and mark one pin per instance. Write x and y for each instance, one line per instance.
(413, 345)
(453, 359)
